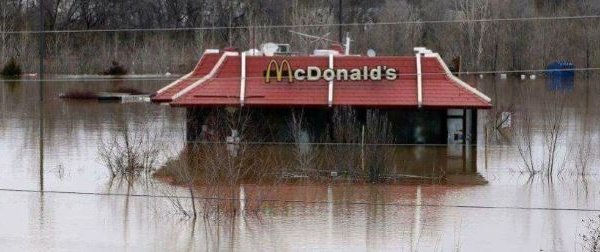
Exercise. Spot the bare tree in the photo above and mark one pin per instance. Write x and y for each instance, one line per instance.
(524, 132)
(500, 45)
(133, 150)
(304, 151)
(378, 136)
(346, 134)
(475, 31)
(303, 15)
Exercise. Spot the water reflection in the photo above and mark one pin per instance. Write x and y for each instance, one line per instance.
(562, 84)
(421, 216)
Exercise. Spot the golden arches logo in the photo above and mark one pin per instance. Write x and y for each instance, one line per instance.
(279, 71)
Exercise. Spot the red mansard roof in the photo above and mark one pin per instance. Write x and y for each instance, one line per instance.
(216, 81)
(206, 63)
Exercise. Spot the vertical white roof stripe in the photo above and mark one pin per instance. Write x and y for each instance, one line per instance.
(243, 80)
(419, 81)
(330, 92)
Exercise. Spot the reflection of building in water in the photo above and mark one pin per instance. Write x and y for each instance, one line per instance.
(566, 84)
(333, 98)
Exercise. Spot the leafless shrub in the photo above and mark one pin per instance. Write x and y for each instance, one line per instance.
(524, 137)
(183, 171)
(590, 239)
(241, 158)
(548, 158)
(583, 145)
(344, 154)
(378, 134)
(553, 115)
(304, 151)
(213, 171)
(133, 149)
(360, 150)
(495, 120)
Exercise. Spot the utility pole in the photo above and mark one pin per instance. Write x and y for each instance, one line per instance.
(42, 37)
(340, 31)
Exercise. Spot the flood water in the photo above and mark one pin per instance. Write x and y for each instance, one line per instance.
(83, 209)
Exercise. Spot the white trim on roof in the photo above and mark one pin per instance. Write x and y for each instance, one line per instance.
(176, 82)
(330, 91)
(208, 51)
(419, 81)
(243, 80)
(456, 79)
(206, 77)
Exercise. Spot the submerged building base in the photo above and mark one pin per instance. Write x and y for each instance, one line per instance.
(370, 143)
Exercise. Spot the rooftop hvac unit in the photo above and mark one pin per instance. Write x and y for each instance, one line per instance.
(270, 49)
(283, 48)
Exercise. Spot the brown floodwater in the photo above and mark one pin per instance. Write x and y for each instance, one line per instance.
(83, 209)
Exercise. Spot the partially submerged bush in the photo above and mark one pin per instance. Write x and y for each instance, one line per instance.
(115, 69)
(132, 150)
(11, 69)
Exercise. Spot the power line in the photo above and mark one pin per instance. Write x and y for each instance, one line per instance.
(300, 201)
(288, 26)
(172, 78)
(357, 144)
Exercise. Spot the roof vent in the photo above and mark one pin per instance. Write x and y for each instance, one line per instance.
(422, 50)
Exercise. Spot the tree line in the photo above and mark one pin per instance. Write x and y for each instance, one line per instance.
(244, 24)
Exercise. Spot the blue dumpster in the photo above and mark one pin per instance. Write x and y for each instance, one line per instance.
(561, 69)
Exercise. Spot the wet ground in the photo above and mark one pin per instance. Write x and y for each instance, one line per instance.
(83, 209)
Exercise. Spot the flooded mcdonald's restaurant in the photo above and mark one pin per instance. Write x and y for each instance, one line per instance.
(335, 113)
